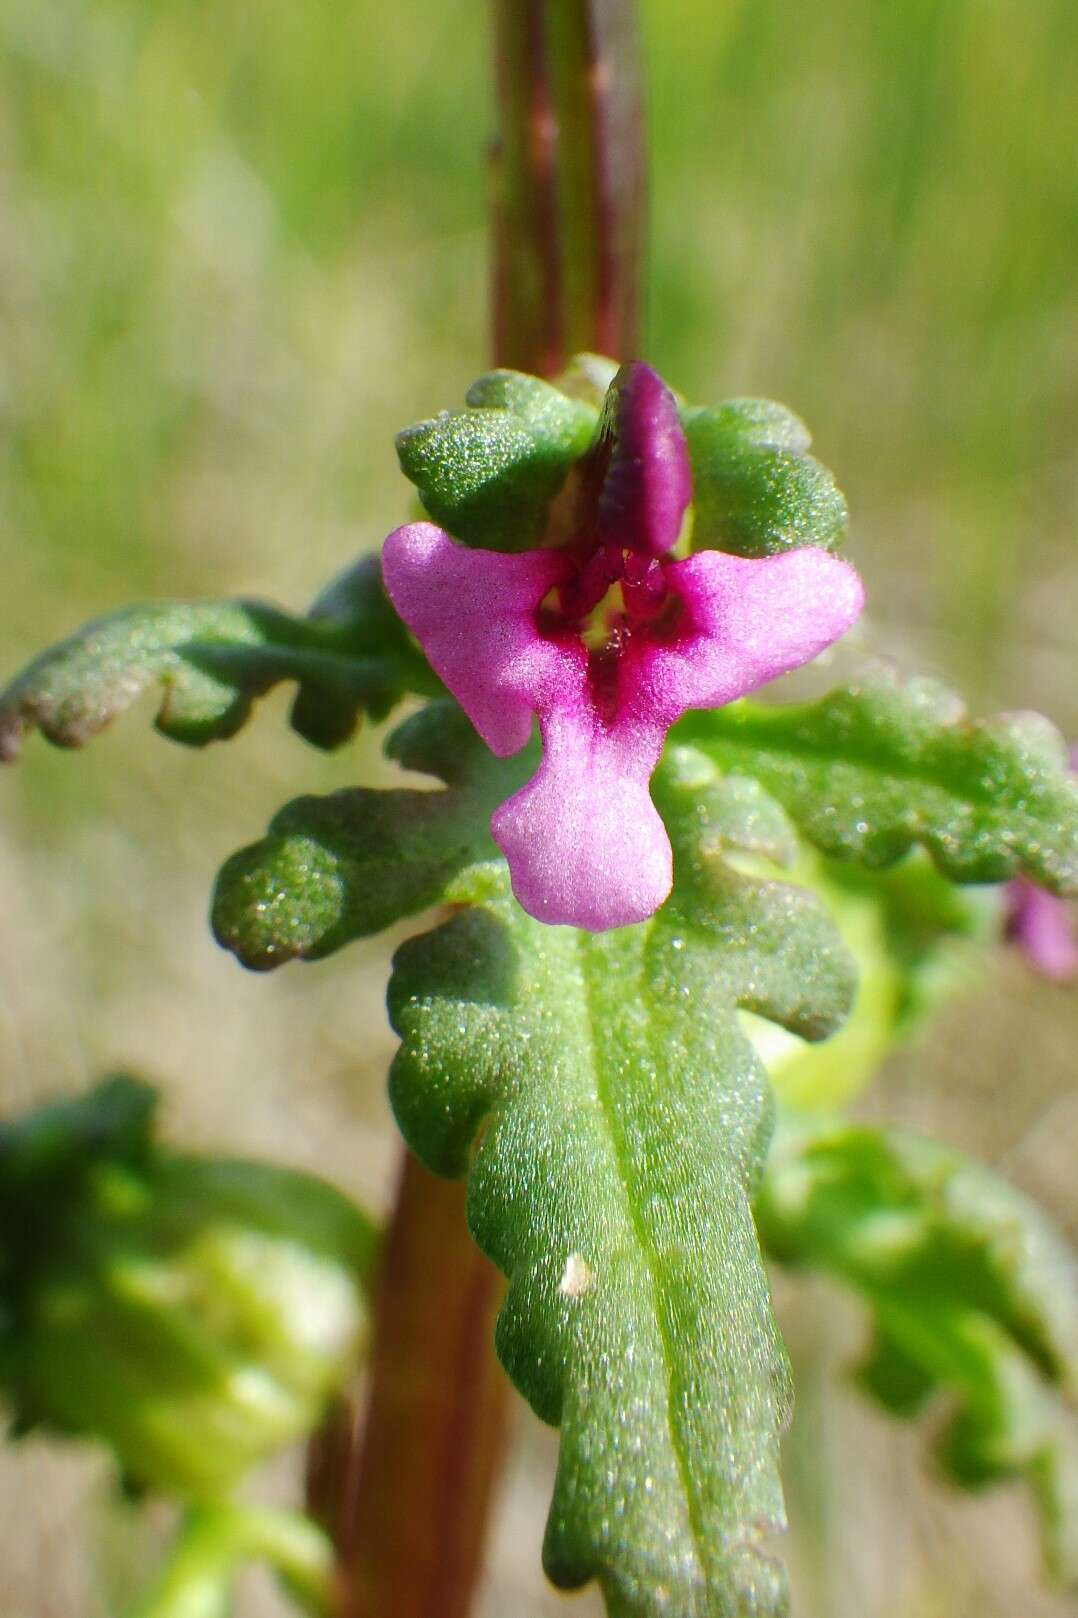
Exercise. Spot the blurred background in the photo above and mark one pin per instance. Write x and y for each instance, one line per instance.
(240, 245)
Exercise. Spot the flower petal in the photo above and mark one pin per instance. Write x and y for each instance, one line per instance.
(585, 844)
(1040, 925)
(642, 459)
(474, 614)
(748, 620)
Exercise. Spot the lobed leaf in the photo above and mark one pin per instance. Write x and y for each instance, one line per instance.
(346, 866)
(756, 490)
(621, 1118)
(917, 940)
(209, 662)
(881, 765)
(972, 1295)
(488, 473)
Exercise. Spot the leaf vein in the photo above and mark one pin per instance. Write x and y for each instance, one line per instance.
(623, 1168)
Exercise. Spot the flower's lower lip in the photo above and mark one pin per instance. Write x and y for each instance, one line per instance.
(603, 669)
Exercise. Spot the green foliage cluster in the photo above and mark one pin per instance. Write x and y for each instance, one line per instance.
(602, 1093)
(194, 1314)
(971, 1294)
(883, 764)
(161, 185)
(756, 490)
(624, 1120)
(491, 473)
(349, 655)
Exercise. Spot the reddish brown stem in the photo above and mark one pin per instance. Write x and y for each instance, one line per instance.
(568, 178)
(526, 280)
(405, 1490)
(618, 176)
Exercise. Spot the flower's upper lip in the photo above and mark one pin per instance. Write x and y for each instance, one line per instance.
(636, 484)
(633, 489)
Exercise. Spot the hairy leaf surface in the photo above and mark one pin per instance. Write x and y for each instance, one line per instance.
(209, 662)
(879, 766)
(621, 1118)
(345, 866)
(756, 490)
(972, 1293)
(488, 473)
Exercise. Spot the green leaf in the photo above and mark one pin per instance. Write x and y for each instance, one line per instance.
(972, 1294)
(917, 940)
(621, 1118)
(193, 1313)
(881, 765)
(213, 1543)
(488, 474)
(208, 663)
(756, 490)
(46, 1152)
(348, 865)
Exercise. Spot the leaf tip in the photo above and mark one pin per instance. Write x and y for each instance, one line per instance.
(277, 900)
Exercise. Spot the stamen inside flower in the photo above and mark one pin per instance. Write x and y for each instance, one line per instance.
(615, 595)
(613, 591)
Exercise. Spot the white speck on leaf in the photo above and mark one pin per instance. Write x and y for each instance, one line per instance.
(576, 1277)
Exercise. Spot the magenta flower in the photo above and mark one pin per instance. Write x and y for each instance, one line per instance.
(607, 640)
(1040, 924)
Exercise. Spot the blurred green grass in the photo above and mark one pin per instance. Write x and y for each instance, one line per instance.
(240, 245)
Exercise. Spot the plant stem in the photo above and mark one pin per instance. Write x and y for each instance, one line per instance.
(405, 1491)
(568, 173)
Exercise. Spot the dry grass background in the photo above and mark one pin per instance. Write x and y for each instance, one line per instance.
(240, 246)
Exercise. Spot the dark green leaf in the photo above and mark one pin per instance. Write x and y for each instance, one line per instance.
(43, 1151)
(621, 1118)
(972, 1294)
(345, 866)
(209, 662)
(489, 473)
(756, 490)
(881, 765)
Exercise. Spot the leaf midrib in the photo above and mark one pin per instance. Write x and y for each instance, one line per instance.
(644, 1240)
(755, 736)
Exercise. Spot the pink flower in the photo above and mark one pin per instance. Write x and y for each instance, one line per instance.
(607, 640)
(1040, 924)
